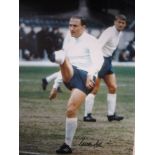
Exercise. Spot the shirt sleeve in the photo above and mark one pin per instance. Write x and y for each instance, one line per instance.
(104, 37)
(96, 57)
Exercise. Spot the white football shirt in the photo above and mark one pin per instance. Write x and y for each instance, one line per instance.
(84, 52)
(109, 40)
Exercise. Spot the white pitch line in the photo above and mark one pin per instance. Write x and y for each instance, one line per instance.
(46, 63)
(31, 153)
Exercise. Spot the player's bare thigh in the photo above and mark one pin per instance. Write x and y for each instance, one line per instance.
(66, 70)
(76, 99)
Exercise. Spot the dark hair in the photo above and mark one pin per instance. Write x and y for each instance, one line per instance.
(121, 16)
(83, 19)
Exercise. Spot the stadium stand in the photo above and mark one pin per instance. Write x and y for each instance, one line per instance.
(37, 22)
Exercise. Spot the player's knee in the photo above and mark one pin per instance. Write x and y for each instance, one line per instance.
(113, 88)
(70, 112)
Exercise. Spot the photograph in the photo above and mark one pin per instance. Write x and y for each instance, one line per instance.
(77, 77)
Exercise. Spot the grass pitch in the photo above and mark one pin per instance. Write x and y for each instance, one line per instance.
(42, 122)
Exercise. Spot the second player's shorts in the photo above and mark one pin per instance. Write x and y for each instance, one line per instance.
(78, 81)
(106, 67)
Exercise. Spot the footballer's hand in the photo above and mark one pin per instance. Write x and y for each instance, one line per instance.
(53, 93)
(90, 83)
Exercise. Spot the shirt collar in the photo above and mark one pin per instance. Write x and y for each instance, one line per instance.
(116, 31)
(81, 37)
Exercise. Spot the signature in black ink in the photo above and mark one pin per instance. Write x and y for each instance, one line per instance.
(95, 144)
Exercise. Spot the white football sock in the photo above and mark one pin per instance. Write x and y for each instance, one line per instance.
(71, 125)
(111, 101)
(59, 56)
(89, 103)
(51, 77)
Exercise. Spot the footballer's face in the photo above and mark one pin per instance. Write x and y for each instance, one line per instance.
(75, 27)
(120, 24)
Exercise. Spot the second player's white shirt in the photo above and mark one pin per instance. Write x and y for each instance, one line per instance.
(109, 40)
(84, 52)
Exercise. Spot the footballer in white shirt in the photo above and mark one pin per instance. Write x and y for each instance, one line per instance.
(108, 41)
(79, 60)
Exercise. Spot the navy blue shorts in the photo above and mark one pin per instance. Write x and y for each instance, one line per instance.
(78, 81)
(106, 67)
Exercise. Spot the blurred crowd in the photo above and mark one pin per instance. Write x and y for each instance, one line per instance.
(36, 44)
(128, 54)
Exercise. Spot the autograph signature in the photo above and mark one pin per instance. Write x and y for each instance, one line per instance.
(85, 142)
